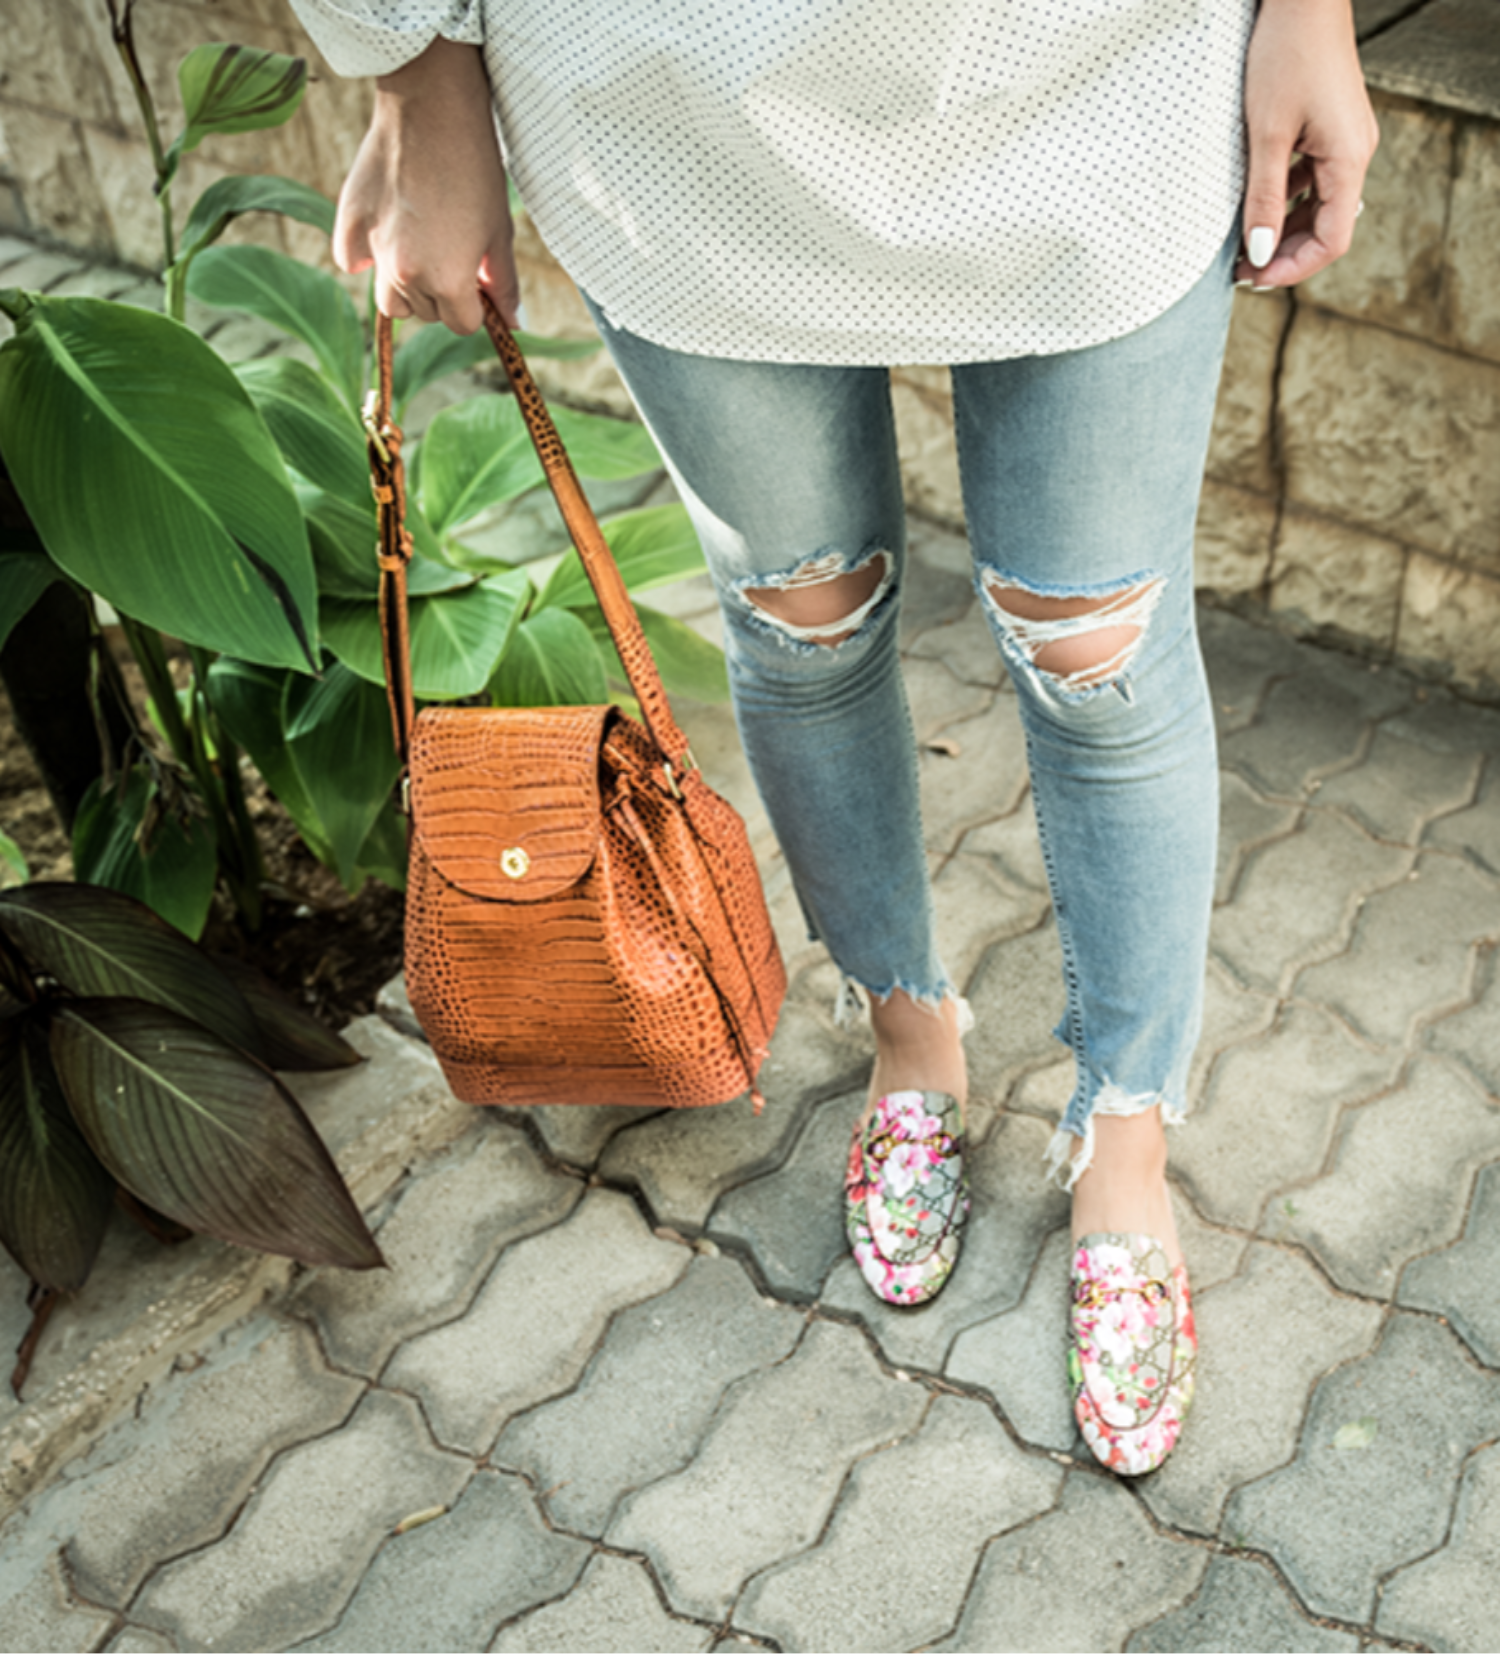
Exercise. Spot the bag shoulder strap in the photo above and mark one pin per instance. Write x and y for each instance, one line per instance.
(384, 444)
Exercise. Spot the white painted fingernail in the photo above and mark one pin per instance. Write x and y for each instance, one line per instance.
(1261, 245)
(1263, 287)
(1244, 281)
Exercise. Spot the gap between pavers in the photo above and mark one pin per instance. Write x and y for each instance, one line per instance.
(376, 1119)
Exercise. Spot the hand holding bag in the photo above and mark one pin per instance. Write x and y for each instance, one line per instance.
(584, 917)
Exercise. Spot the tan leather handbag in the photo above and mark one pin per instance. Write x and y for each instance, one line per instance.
(584, 918)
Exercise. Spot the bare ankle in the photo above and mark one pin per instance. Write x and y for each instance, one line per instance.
(917, 1047)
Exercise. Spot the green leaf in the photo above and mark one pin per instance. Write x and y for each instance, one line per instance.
(456, 637)
(318, 436)
(152, 479)
(688, 663)
(13, 868)
(384, 852)
(293, 1039)
(652, 547)
(561, 350)
(474, 456)
(226, 198)
(236, 89)
(603, 447)
(344, 538)
(95, 941)
(306, 303)
(552, 662)
(204, 1135)
(428, 354)
(55, 1197)
(248, 700)
(24, 576)
(339, 733)
(171, 866)
(1356, 1433)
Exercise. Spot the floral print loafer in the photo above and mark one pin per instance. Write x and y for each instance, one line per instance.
(906, 1196)
(1132, 1351)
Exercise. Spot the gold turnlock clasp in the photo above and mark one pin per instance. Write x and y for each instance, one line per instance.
(514, 862)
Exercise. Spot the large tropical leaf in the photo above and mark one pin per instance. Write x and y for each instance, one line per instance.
(55, 1197)
(242, 192)
(456, 637)
(236, 89)
(689, 665)
(307, 303)
(338, 731)
(294, 1039)
(428, 354)
(602, 447)
(124, 838)
(201, 1133)
(314, 428)
(24, 576)
(474, 455)
(95, 941)
(552, 661)
(652, 547)
(152, 478)
(345, 542)
(248, 700)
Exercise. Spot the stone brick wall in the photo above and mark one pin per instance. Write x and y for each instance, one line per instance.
(1354, 480)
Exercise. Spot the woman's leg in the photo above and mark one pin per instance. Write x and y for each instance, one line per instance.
(791, 479)
(1081, 475)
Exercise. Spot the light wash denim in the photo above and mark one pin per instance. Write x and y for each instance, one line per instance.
(1081, 475)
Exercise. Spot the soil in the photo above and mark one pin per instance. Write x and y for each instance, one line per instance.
(333, 953)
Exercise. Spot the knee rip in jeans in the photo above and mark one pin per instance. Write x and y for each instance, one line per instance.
(1075, 642)
(811, 605)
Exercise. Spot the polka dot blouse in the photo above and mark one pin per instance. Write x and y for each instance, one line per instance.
(858, 182)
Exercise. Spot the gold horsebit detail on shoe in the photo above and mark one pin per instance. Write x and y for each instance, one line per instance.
(1093, 1295)
(882, 1148)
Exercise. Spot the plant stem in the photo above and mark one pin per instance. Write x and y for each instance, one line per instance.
(239, 854)
(122, 32)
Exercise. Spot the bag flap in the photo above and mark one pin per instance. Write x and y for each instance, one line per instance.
(505, 801)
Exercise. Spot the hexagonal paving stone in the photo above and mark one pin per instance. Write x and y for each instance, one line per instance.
(684, 1160)
(1312, 724)
(642, 1406)
(769, 1471)
(1473, 1034)
(1298, 898)
(1243, 660)
(1012, 845)
(1082, 1577)
(1451, 1600)
(448, 1583)
(938, 697)
(1412, 953)
(1246, 822)
(1375, 1478)
(1400, 1180)
(934, 1499)
(1017, 997)
(536, 1321)
(299, 1548)
(986, 780)
(965, 646)
(1240, 1606)
(791, 1221)
(448, 1225)
(170, 1476)
(1401, 784)
(37, 1612)
(1271, 1112)
(1459, 1281)
(1264, 1340)
(974, 908)
(614, 1607)
(1016, 1208)
(1475, 831)
(1020, 1356)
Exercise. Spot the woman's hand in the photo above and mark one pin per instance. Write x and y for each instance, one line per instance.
(425, 201)
(1304, 93)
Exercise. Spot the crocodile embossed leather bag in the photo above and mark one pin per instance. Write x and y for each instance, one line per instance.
(584, 917)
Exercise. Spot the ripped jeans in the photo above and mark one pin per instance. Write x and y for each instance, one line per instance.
(1081, 474)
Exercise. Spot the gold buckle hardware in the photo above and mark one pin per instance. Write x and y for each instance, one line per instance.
(514, 862)
(688, 763)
